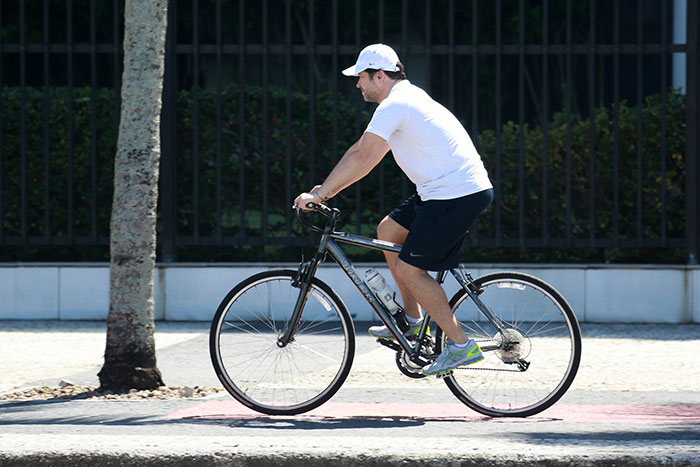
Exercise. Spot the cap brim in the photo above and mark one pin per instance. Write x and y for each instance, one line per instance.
(350, 71)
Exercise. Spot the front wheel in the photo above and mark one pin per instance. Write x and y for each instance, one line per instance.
(274, 379)
(532, 363)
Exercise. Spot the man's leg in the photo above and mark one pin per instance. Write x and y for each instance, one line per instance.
(391, 231)
(426, 291)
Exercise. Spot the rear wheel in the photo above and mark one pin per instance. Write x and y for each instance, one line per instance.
(273, 379)
(532, 364)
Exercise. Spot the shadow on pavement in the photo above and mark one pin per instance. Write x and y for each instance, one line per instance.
(680, 433)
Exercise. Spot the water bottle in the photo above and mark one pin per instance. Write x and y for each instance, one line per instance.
(388, 298)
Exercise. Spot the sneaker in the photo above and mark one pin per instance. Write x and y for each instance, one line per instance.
(382, 332)
(453, 356)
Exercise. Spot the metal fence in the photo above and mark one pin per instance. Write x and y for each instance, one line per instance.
(571, 105)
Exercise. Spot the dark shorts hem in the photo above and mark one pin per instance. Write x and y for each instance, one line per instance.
(437, 228)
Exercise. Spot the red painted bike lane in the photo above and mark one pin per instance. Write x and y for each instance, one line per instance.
(623, 414)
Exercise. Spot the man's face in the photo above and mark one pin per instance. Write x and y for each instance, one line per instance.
(369, 86)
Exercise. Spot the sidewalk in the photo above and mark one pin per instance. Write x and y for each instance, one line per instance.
(635, 401)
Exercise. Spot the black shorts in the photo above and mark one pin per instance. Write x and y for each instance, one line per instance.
(437, 228)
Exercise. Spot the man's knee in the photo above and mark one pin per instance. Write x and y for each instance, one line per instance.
(384, 228)
(391, 231)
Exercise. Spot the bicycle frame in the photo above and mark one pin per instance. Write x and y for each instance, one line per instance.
(329, 244)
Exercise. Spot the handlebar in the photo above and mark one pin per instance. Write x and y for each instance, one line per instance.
(332, 214)
(323, 209)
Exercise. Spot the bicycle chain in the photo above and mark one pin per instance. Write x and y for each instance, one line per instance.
(491, 369)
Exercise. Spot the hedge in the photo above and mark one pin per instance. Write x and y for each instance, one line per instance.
(629, 158)
(262, 159)
(63, 177)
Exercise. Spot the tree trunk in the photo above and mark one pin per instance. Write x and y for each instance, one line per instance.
(130, 357)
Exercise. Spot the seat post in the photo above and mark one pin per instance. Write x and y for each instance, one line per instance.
(441, 277)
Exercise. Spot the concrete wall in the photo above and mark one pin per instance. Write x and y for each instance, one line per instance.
(184, 292)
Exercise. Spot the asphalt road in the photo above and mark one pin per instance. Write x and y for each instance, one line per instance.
(636, 401)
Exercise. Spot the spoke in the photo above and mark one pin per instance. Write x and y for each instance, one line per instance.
(547, 346)
(319, 353)
(314, 324)
(529, 297)
(248, 330)
(547, 330)
(259, 372)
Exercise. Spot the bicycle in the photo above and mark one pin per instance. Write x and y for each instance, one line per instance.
(282, 342)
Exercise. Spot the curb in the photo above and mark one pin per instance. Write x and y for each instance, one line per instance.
(308, 460)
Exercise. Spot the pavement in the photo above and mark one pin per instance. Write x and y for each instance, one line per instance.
(634, 402)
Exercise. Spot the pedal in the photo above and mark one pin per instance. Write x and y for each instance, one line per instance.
(444, 375)
(392, 345)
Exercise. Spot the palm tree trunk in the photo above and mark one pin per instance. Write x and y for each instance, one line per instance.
(130, 357)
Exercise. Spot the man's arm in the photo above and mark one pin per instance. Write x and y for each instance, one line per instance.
(357, 162)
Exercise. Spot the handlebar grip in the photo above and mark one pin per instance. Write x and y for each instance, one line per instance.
(331, 213)
(321, 208)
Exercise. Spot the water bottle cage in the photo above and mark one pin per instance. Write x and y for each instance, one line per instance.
(401, 321)
(400, 317)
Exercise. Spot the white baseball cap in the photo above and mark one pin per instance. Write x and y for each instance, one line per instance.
(376, 57)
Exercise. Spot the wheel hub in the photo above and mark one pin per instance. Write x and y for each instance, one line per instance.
(514, 347)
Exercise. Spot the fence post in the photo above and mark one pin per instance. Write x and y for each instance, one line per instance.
(692, 120)
(168, 143)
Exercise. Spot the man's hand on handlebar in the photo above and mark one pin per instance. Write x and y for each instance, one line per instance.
(305, 199)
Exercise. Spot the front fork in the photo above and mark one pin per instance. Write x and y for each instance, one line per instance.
(304, 277)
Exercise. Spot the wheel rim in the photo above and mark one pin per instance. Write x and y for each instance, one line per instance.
(539, 333)
(266, 376)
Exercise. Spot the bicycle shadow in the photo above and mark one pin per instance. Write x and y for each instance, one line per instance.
(138, 413)
(320, 422)
(325, 423)
(349, 422)
(342, 415)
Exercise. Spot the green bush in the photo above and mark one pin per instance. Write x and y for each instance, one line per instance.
(56, 182)
(592, 183)
(47, 199)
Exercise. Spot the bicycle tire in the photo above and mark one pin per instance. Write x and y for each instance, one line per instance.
(549, 340)
(277, 380)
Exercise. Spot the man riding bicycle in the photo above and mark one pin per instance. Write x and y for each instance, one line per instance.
(452, 189)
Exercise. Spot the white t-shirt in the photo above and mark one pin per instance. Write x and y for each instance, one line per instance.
(429, 144)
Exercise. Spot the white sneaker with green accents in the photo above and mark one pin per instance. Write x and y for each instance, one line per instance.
(453, 356)
(382, 332)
